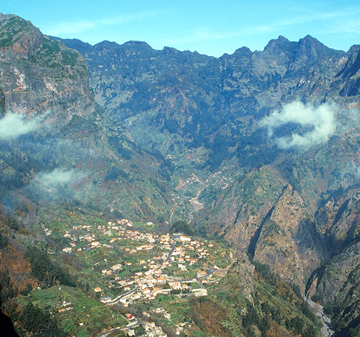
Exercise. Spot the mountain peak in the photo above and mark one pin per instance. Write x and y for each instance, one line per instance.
(76, 44)
(6, 16)
(134, 43)
(281, 42)
(311, 46)
(308, 39)
(19, 35)
(282, 38)
(128, 49)
(243, 51)
(352, 65)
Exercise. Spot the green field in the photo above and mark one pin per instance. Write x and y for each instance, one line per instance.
(86, 316)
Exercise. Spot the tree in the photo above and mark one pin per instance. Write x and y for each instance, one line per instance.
(45, 270)
(36, 320)
(3, 240)
(181, 226)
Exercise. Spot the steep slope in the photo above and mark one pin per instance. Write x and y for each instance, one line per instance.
(57, 145)
(289, 241)
(182, 99)
(185, 102)
(350, 73)
(153, 92)
(40, 75)
(338, 290)
(292, 207)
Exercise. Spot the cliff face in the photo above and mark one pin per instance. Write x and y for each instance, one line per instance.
(66, 133)
(288, 208)
(292, 208)
(289, 241)
(182, 99)
(338, 288)
(350, 73)
(242, 208)
(41, 75)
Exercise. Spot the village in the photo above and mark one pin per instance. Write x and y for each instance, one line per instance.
(151, 265)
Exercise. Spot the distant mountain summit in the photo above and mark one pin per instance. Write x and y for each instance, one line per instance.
(260, 149)
(190, 96)
(185, 103)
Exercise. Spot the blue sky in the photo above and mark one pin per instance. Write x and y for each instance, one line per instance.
(209, 27)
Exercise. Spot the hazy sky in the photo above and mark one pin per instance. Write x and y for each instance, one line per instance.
(210, 27)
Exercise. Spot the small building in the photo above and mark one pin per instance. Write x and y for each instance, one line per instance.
(116, 267)
(184, 238)
(130, 317)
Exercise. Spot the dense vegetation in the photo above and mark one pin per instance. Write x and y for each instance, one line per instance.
(45, 270)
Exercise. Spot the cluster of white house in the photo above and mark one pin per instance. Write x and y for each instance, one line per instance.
(179, 250)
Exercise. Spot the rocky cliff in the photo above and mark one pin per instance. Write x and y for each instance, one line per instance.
(292, 200)
(186, 97)
(63, 135)
(41, 75)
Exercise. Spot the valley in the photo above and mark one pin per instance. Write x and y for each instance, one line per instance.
(161, 192)
(123, 263)
(130, 277)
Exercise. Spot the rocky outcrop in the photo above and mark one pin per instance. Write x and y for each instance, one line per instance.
(338, 288)
(179, 97)
(40, 75)
(350, 73)
(340, 277)
(242, 208)
(2, 103)
(289, 241)
(243, 271)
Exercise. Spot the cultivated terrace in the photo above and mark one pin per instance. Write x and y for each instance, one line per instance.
(125, 266)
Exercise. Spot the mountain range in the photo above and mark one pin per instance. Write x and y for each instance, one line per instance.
(257, 149)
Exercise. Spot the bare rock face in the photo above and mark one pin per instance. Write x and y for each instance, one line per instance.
(340, 220)
(40, 75)
(243, 207)
(2, 103)
(351, 73)
(243, 271)
(289, 242)
(340, 276)
(338, 288)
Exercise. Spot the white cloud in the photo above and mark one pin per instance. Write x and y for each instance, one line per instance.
(320, 119)
(14, 125)
(57, 178)
(59, 183)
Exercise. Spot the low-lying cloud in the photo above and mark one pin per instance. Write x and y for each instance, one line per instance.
(320, 121)
(58, 178)
(14, 125)
(58, 184)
